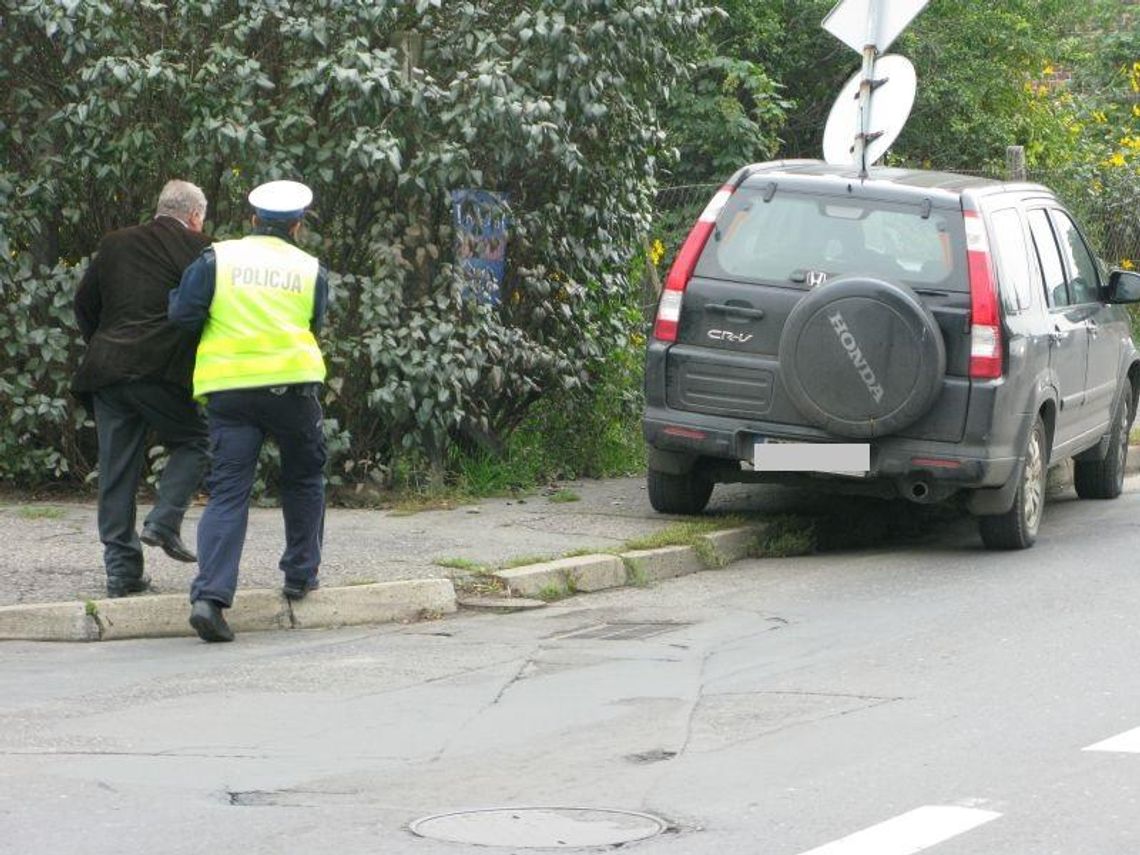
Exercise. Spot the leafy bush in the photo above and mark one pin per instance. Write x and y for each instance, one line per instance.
(383, 108)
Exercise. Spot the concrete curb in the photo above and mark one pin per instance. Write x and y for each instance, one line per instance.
(166, 615)
(256, 610)
(556, 579)
(157, 616)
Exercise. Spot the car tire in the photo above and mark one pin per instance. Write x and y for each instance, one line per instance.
(862, 357)
(1104, 479)
(1017, 528)
(678, 494)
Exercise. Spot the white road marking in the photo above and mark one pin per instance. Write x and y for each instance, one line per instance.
(910, 832)
(1129, 742)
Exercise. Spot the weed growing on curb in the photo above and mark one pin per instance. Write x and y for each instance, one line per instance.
(525, 560)
(683, 533)
(464, 564)
(551, 592)
(707, 553)
(588, 550)
(634, 574)
(91, 608)
(564, 496)
(786, 536)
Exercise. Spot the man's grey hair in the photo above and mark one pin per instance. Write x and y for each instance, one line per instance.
(181, 199)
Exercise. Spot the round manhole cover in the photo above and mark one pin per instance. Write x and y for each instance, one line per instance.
(540, 827)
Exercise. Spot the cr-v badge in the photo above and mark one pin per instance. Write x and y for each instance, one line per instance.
(727, 335)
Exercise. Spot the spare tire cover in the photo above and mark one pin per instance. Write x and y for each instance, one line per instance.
(862, 357)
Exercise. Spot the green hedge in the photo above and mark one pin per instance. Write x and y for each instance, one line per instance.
(383, 108)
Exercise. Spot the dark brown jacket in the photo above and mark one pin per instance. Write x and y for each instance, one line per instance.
(121, 307)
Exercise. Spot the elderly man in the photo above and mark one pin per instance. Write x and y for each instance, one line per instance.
(259, 302)
(135, 377)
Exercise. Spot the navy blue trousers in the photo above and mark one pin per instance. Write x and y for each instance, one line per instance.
(239, 422)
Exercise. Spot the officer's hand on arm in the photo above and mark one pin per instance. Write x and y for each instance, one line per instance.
(189, 304)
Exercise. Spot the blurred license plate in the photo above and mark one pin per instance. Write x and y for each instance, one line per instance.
(851, 458)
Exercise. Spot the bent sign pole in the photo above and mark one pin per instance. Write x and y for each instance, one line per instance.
(869, 27)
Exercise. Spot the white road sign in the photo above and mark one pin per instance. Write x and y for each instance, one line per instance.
(886, 113)
(859, 23)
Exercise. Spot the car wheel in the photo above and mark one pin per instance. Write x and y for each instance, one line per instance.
(1017, 527)
(1104, 479)
(678, 494)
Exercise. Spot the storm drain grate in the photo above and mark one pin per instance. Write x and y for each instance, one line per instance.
(623, 631)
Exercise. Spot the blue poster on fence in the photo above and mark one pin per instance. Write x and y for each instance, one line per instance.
(481, 218)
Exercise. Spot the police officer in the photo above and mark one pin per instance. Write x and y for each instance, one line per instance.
(259, 302)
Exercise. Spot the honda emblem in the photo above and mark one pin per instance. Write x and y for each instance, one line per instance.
(815, 278)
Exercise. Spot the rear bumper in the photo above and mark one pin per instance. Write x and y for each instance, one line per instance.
(692, 437)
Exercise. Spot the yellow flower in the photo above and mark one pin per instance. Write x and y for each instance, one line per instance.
(1047, 70)
(656, 250)
(1116, 160)
(1127, 264)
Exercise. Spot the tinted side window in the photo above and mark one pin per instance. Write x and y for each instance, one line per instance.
(1050, 258)
(1015, 270)
(1084, 282)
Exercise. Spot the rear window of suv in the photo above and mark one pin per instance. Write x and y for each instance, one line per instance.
(793, 235)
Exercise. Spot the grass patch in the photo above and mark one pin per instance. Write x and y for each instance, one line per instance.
(589, 550)
(415, 503)
(707, 554)
(553, 591)
(91, 608)
(786, 536)
(634, 575)
(524, 560)
(464, 564)
(563, 496)
(683, 533)
(40, 513)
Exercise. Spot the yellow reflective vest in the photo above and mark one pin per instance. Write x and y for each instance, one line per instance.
(257, 333)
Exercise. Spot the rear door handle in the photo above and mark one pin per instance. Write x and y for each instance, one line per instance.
(1058, 335)
(740, 311)
(1094, 329)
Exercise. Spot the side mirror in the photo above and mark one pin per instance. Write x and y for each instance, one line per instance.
(1123, 287)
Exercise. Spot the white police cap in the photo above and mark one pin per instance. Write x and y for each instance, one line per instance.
(280, 200)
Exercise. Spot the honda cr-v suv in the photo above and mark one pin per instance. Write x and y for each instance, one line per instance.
(910, 333)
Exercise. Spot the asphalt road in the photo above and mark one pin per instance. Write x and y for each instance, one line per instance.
(918, 695)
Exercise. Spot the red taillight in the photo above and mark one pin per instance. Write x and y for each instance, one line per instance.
(985, 312)
(669, 308)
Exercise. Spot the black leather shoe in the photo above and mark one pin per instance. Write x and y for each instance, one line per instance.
(171, 544)
(208, 621)
(297, 590)
(117, 587)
